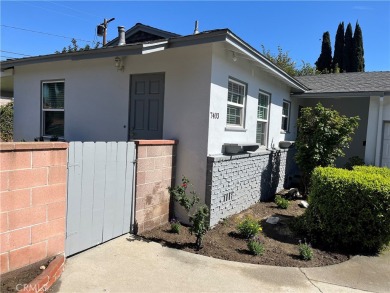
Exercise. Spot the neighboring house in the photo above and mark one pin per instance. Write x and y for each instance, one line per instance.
(208, 90)
(363, 94)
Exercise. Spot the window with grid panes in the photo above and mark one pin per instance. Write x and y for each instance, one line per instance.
(235, 104)
(285, 116)
(53, 94)
(262, 118)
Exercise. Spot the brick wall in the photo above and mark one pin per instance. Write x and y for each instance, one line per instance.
(155, 173)
(234, 183)
(32, 202)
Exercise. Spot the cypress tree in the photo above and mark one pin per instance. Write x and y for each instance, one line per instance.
(324, 62)
(348, 49)
(339, 48)
(358, 51)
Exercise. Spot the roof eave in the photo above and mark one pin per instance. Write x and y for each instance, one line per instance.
(249, 50)
(80, 55)
(341, 94)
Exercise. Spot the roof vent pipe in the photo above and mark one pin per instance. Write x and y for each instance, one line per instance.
(196, 31)
(121, 33)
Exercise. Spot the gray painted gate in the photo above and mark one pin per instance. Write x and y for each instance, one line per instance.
(100, 193)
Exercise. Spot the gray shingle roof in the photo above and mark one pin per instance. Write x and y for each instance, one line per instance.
(353, 82)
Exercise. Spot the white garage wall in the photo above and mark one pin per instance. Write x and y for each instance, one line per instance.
(224, 67)
(372, 151)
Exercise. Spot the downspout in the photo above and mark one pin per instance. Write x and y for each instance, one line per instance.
(379, 133)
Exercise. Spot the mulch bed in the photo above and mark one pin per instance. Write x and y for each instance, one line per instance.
(223, 242)
(16, 280)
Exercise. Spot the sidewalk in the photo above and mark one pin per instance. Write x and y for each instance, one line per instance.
(128, 265)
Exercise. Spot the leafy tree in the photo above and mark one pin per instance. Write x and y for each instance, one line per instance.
(74, 47)
(306, 69)
(358, 51)
(322, 135)
(284, 61)
(338, 63)
(348, 49)
(6, 122)
(324, 62)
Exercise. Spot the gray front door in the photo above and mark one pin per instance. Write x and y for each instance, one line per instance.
(146, 106)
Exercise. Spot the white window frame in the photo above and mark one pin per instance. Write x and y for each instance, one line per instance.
(43, 110)
(262, 120)
(241, 107)
(286, 116)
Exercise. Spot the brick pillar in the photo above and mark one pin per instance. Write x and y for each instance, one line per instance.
(32, 202)
(155, 173)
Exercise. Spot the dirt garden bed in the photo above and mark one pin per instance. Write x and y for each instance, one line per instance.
(223, 242)
(18, 279)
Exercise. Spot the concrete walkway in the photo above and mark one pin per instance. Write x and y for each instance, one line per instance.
(128, 265)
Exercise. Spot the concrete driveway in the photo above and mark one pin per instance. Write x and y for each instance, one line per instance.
(129, 265)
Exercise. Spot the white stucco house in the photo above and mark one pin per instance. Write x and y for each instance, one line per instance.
(208, 90)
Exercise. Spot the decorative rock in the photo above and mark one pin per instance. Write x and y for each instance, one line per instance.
(273, 220)
(42, 267)
(292, 193)
(304, 204)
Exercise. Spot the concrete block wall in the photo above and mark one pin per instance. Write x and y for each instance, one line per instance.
(234, 183)
(32, 202)
(155, 173)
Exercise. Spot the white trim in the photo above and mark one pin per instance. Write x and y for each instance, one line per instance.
(379, 133)
(286, 116)
(241, 107)
(265, 121)
(43, 134)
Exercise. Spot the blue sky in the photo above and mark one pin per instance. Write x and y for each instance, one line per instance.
(295, 26)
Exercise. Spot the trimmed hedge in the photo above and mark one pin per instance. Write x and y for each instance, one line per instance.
(349, 210)
(373, 170)
(6, 122)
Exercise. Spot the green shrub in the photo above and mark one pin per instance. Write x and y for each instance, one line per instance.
(255, 247)
(281, 202)
(6, 122)
(199, 224)
(385, 172)
(249, 227)
(349, 210)
(305, 251)
(354, 161)
(323, 135)
(175, 226)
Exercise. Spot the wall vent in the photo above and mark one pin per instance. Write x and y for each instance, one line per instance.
(228, 196)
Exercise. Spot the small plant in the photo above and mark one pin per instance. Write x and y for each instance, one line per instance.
(249, 227)
(199, 218)
(199, 224)
(281, 202)
(179, 194)
(305, 251)
(255, 246)
(175, 226)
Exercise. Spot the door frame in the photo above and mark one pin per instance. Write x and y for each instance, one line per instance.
(162, 73)
(382, 140)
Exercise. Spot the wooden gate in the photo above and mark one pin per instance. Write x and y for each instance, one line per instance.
(100, 193)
